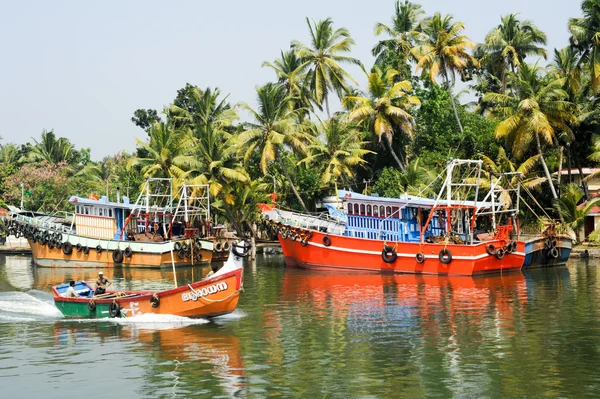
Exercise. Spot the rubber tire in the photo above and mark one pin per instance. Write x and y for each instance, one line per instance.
(553, 253)
(86, 250)
(420, 257)
(114, 310)
(98, 249)
(117, 256)
(181, 254)
(78, 247)
(226, 246)
(91, 306)
(128, 252)
(326, 241)
(490, 249)
(245, 249)
(388, 254)
(155, 301)
(445, 256)
(500, 253)
(67, 248)
(177, 246)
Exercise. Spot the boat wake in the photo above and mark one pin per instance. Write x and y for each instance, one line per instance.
(158, 321)
(22, 306)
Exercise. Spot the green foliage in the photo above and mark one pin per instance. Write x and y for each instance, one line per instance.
(388, 183)
(572, 211)
(438, 137)
(145, 118)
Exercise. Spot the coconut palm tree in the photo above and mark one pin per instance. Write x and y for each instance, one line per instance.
(402, 34)
(585, 32)
(507, 45)
(534, 108)
(51, 149)
(386, 109)
(100, 174)
(273, 131)
(168, 153)
(209, 112)
(342, 151)
(572, 210)
(443, 52)
(289, 70)
(321, 60)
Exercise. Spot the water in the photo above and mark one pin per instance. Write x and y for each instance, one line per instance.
(312, 334)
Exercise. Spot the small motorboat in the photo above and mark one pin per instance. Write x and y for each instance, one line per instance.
(214, 296)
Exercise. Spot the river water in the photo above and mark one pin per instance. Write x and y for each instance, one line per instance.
(311, 334)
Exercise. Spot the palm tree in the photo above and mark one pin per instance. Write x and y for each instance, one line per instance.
(323, 58)
(168, 153)
(273, 131)
(208, 111)
(416, 178)
(572, 211)
(386, 108)
(341, 152)
(100, 174)
(584, 39)
(51, 149)
(443, 52)
(507, 45)
(402, 33)
(289, 70)
(531, 111)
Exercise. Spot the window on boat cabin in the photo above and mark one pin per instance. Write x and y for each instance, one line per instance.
(99, 211)
(388, 211)
(87, 210)
(369, 210)
(349, 209)
(382, 211)
(110, 213)
(375, 211)
(362, 209)
(396, 212)
(356, 212)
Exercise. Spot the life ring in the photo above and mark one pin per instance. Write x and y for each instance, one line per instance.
(91, 305)
(244, 245)
(226, 246)
(553, 253)
(155, 301)
(327, 241)
(420, 257)
(128, 252)
(500, 252)
(388, 254)
(218, 246)
(490, 249)
(177, 246)
(98, 249)
(117, 256)
(445, 256)
(67, 248)
(78, 247)
(113, 309)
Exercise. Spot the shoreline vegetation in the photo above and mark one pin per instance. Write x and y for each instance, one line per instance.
(536, 112)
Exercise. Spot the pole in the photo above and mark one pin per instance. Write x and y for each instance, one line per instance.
(22, 194)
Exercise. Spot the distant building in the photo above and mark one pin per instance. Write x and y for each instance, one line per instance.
(593, 183)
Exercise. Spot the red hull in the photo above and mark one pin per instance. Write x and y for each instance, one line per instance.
(351, 253)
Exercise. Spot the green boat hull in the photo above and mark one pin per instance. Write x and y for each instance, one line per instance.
(81, 310)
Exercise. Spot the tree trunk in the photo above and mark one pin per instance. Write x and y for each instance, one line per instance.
(327, 106)
(449, 88)
(389, 145)
(560, 161)
(289, 179)
(570, 179)
(546, 171)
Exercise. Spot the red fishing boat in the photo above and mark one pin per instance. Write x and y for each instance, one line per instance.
(409, 234)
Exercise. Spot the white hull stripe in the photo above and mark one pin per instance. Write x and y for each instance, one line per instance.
(405, 255)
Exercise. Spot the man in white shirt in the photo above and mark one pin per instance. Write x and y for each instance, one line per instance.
(71, 291)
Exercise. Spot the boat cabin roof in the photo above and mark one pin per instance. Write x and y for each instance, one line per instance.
(103, 202)
(408, 200)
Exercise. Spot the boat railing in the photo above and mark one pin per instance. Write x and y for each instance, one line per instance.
(48, 222)
(321, 222)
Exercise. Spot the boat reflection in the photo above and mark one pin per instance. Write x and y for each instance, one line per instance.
(212, 348)
(422, 296)
(18, 272)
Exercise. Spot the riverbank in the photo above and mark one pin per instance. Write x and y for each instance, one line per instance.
(15, 246)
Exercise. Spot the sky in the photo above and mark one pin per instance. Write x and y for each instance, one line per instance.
(82, 68)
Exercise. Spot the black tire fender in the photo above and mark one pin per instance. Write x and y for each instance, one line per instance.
(91, 305)
(98, 249)
(388, 254)
(117, 256)
(490, 249)
(326, 241)
(500, 252)
(420, 257)
(128, 252)
(155, 301)
(114, 310)
(67, 248)
(445, 256)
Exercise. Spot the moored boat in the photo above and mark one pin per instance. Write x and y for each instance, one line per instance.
(101, 233)
(406, 235)
(217, 295)
(548, 249)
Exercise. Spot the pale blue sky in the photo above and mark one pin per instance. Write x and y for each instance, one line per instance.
(82, 68)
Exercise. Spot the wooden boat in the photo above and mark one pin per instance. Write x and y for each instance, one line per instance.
(217, 295)
(548, 249)
(150, 233)
(405, 235)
